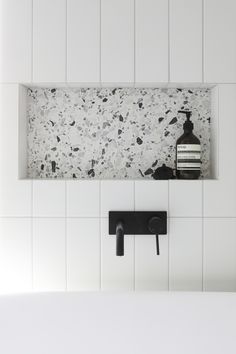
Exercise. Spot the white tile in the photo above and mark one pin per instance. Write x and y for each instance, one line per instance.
(220, 195)
(15, 195)
(117, 41)
(220, 44)
(49, 254)
(48, 198)
(117, 272)
(83, 40)
(185, 40)
(116, 195)
(151, 41)
(15, 255)
(220, 198)
(185, 242)
(151, 271)
(8, 128)
(83, 254)
(185, 198)
(151, 195)
(15, 40)
(49, 40)
(83, 198)
(220, 254)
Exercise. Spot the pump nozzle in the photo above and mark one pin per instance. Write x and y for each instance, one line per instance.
(188, 125)
(188, 114)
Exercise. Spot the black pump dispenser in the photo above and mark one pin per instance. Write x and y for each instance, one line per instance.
(188, 151)
(188, 124)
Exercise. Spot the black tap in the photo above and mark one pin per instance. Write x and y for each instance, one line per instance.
(120, 238)
(123, 223)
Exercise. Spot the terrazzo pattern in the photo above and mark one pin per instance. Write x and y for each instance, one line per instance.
(106, 133)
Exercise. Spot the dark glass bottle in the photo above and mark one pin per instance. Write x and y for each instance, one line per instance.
(188, 152)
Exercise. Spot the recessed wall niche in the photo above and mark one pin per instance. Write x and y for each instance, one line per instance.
(109, 133)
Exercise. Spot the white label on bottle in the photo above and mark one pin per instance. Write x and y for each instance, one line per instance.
(188, 157)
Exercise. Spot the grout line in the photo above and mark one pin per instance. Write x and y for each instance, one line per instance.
(32, 238)
(218, 133)
(168, 198)
(203, 238)
(168, 235)
(32, 39)
(134, 43)
(203, 256)
(66, 41)
(100, 240)
(100, 185)
(100, 43)
(168, 41)
(105, 217)
(169, 240)
(154, 84)
(66, 263)
(134, 263)
(203, 41)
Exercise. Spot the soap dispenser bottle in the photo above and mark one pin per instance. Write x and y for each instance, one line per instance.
(188, 152)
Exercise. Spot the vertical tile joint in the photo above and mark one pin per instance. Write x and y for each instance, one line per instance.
(169, 41)
(32, 40)
(203, 40)
(32, 237)
(218, 132)
(66, 39)
(100, 42)
(168, 234)
(134, 42)
(203, 235)
(100, 239)
(66, 263)
(134, 270)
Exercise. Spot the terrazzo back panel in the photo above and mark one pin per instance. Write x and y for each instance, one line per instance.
(110, 133)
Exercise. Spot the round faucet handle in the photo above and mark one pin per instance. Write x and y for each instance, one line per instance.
(154, 224)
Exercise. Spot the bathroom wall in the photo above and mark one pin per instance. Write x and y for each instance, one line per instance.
(53, 234)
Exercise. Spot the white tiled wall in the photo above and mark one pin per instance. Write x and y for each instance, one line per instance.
(49, 256)
(54, 234)
(83, 40)
(185, 29)
(153, 66)
(15, 255)
(49, 40)
(15, 41)
(83, 254)
(185, 239)
(117, 41)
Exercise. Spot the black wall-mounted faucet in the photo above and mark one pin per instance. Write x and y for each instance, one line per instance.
(120, 238)
(123, 223)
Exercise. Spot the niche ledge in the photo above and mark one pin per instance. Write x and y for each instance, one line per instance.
(69, 132)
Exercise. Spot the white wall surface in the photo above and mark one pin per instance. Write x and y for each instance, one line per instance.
(118, 41)
(16, 40)
(49, 40)
(54, 234)
(185, 20)
(219, 41)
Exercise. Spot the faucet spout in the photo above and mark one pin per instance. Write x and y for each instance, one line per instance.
(120, 238)
(157, 245)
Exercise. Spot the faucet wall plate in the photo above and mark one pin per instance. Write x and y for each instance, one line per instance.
(137, 222)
